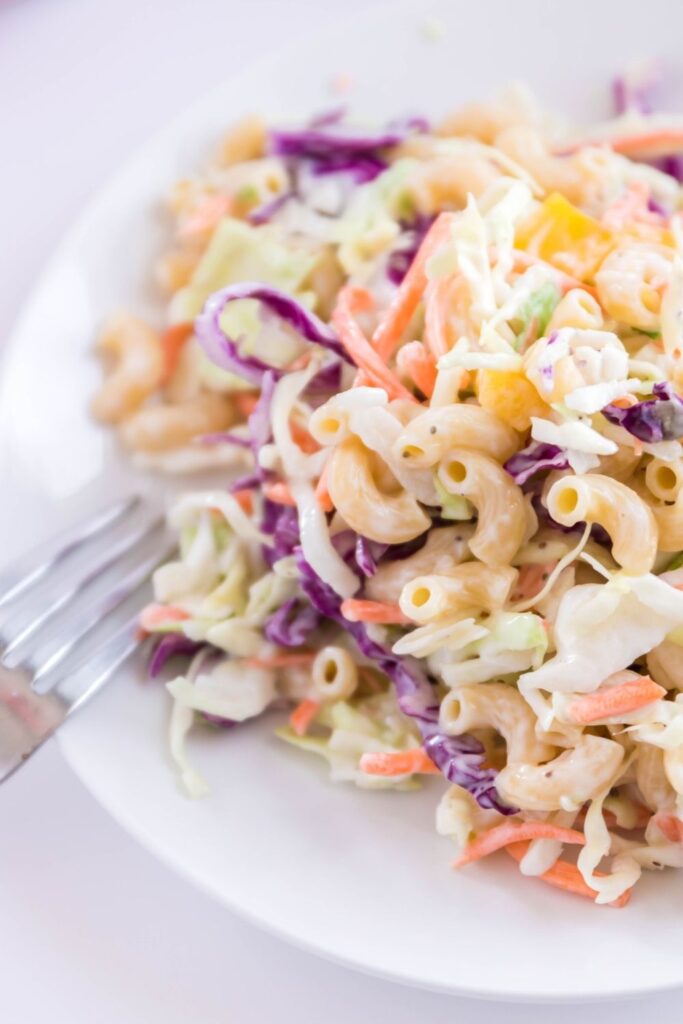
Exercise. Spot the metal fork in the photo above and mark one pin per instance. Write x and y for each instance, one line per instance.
(51, 604)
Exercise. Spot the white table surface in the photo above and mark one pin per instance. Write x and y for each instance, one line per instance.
(92, 928)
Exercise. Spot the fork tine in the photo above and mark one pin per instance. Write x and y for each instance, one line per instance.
(100, 665)
(95, 614)
(23, 574)
(129, 541)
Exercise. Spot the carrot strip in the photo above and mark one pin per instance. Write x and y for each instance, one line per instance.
(302, 716)
(245, 500)
(670, 826)
(625, 401)
(657, 142)
(615, 700)
(357, 609)
(515, 832)
(566, 876)
(279, 493)
(160, 614)
(288, 659)
(349, 302)
(406, 762)
(524, 260)
(390, 329)
(245, 402)
(322, 495)
(419, 365)
(532, 579)
(172, 343)
(362, 380)
(302, 438)
(206, 216)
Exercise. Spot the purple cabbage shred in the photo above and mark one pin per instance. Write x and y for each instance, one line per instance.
(533, 459)
(460, 758)
(224, 351)
(656, 419)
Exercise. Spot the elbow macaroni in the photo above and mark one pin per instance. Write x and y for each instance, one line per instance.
(502, 511)
(626, 518)
(334, 674)
(568, 781)
(432, 434)
(630, 283)
(499, 707)
(576, 309)
(469, 586)
(388, 518)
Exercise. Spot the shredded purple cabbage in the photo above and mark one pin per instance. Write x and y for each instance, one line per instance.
(410, 241)
(223, 351)
(672, 164)
(250, 481)
(171, 645)
(656, 419)
(634, 91)
(328, 117)
(460, 758)
(292, 624)
(258, 424)
(368, 553)
(332, 140)
(266, 211)
(282, 523)
(533, 459)
(328, 379)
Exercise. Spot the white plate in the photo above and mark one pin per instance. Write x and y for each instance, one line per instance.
(359, 877)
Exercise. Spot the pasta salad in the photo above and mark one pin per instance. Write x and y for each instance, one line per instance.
(439, 369)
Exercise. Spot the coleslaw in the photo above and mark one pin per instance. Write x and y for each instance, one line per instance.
(439, 369)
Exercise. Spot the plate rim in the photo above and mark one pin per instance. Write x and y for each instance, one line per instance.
(68, 239)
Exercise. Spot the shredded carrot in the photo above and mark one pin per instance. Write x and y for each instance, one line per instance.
(440, 333)
(362, 380)
(172, 343)
(390, 329)
(279, 493)
(514, 832)
(302, 438)
(245, 500)
(419, 365)
(625, 401)
(351, 301)
(655, 142)
(615, 700)
(302, 716)
(524, 260)
(566, 876)
(159, 614)
(245, 402)
(322, 495)
(206, 216)
(288, 659)
(631, 205)
(406, 762)
(359, 610)
(670, 826)
(532, 579)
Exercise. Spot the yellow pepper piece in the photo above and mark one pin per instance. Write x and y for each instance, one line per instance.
(565, 236)
(511, 397)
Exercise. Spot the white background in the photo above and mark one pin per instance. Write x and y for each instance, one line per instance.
(92, 928)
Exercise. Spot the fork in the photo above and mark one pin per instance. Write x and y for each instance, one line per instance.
(50, 604)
